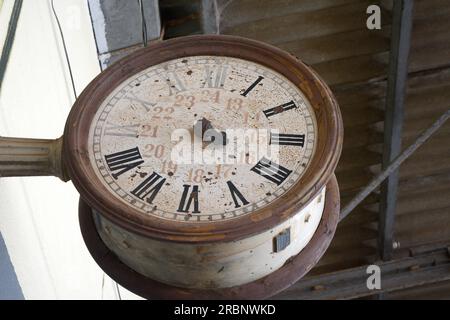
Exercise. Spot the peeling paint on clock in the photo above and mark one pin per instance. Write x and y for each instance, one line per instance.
(132, 138)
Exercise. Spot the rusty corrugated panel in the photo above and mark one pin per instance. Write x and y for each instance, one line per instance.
(437, 291)
(331, 36)
(423, 211)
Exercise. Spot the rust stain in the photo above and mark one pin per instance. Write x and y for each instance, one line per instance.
(261, 216)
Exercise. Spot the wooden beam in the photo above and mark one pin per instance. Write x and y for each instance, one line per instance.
(425, 265)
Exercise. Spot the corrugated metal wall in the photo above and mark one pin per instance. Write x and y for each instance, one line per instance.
(332, 37)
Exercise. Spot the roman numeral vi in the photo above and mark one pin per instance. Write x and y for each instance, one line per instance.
(187, 199)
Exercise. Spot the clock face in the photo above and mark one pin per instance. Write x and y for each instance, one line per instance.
(202, 139)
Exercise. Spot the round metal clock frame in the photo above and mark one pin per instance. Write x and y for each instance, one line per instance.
(95, 194)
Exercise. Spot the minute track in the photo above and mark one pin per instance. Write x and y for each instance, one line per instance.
(211, 205)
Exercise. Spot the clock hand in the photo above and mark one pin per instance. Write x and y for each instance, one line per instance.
(204, 127)
(201, 126)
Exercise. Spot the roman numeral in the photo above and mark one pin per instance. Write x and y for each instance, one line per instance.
(235, 193)
(219, 74)
(185, 202)
(121, 131)
(174, 83)
(271, 171)
(254, 84)
(287, 139)
(281, 108)
(121, 162)
(147, 105)
(149, 187)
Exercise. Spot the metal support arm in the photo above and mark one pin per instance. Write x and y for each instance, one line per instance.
(31, 157)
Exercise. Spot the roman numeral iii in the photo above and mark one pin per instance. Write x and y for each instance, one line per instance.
(271, 171)
(287, 139)
(236, 194)
(149, 188)
(187, 199)
(123, 161)
(281, 108)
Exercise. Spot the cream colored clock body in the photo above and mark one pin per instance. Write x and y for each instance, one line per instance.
(147, 150)
(216, 265)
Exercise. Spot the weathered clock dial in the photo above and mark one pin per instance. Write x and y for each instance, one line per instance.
(205, 168)
(269, 137)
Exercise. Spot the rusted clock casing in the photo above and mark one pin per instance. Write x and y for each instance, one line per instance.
(127, 233)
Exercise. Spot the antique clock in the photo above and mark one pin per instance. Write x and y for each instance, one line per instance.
(204, 166)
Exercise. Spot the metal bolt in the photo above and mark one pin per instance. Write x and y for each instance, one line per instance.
(414, 268)
(318, 287)
(396, 245)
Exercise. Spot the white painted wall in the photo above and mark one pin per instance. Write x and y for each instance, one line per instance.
(38, 216)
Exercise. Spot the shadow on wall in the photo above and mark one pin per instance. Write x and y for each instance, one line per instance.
(9, 285)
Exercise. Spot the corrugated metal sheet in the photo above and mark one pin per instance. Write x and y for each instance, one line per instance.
(439, 291)
(332, 37)
(423, 211)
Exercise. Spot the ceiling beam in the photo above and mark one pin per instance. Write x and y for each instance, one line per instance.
(424, 265)
(397, 77)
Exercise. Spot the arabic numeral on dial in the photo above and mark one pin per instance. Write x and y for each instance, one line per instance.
(196, 175)
(210, 96)
(149, 131)
(256, 119)
(170, 168)
(184, 101)
(223, 171)
(151, 150)
(164, 113)
(234, 104)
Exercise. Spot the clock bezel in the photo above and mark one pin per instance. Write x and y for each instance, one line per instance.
(317, 174)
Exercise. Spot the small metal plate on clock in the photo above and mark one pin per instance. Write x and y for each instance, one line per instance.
(282, 240)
